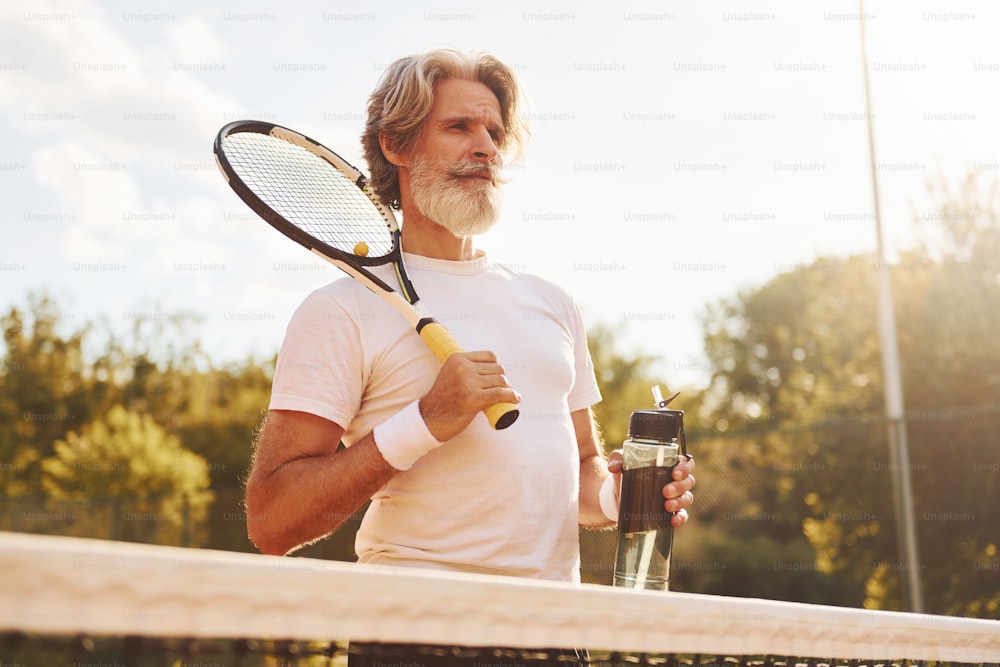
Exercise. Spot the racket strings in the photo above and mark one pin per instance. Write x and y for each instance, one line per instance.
(308, 192)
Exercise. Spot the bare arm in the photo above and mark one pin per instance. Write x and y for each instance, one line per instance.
(300, 487)
(593, 469)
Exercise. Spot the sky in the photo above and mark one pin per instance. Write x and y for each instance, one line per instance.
(681, 152)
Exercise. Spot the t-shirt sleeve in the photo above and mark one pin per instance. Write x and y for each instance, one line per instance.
(585, 391)
(320, 367)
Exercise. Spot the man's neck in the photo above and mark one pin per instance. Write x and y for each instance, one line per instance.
(422, 236)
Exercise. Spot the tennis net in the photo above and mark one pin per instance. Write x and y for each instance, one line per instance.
(93, 603)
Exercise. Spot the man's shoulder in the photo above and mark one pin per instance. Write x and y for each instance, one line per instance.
(341, 286)
(344, 295)
(342, 289)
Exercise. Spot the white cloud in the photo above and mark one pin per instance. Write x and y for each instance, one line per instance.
(121, 130)
(193, 41)
(137, 101)
(98, 189)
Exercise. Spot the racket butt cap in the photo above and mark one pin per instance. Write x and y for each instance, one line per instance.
(502, 415)
(507, 419)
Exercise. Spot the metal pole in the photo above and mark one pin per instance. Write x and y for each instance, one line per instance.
(899, 456)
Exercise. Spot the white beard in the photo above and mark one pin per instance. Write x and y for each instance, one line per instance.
(463, 206)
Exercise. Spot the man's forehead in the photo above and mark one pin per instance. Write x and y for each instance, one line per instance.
(461, 99)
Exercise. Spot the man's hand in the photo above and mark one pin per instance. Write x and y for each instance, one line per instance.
(467, 384)
(677, 494)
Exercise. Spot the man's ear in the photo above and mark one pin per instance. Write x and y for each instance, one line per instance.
(391, 154)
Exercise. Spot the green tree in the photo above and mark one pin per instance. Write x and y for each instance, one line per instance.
(798, 389)
(45, 390)
(952, 384)
(129, 460)
(218, 419)
(57, 375)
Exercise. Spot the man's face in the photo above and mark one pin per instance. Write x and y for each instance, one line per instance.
(455, 164)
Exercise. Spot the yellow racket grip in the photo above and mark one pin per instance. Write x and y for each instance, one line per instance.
(443, 345)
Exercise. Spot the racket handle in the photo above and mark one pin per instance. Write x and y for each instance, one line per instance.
(443, 345)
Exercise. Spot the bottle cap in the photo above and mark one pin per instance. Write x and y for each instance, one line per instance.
(665, 425)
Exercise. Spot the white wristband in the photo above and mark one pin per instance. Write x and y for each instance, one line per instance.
(609, 503)
(404, 438)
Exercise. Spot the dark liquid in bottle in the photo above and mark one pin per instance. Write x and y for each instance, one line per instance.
(641, 503)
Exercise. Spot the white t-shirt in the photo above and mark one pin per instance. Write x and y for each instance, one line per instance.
(503, 502)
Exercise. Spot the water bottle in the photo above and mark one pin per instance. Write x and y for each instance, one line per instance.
(645, 537)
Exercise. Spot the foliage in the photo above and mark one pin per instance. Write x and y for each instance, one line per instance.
(59, 386)
(128, 457)
(45, 389)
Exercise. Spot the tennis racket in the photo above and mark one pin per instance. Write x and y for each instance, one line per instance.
(314, 197)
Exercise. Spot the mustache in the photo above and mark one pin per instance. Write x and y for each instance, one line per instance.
(465, 169)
